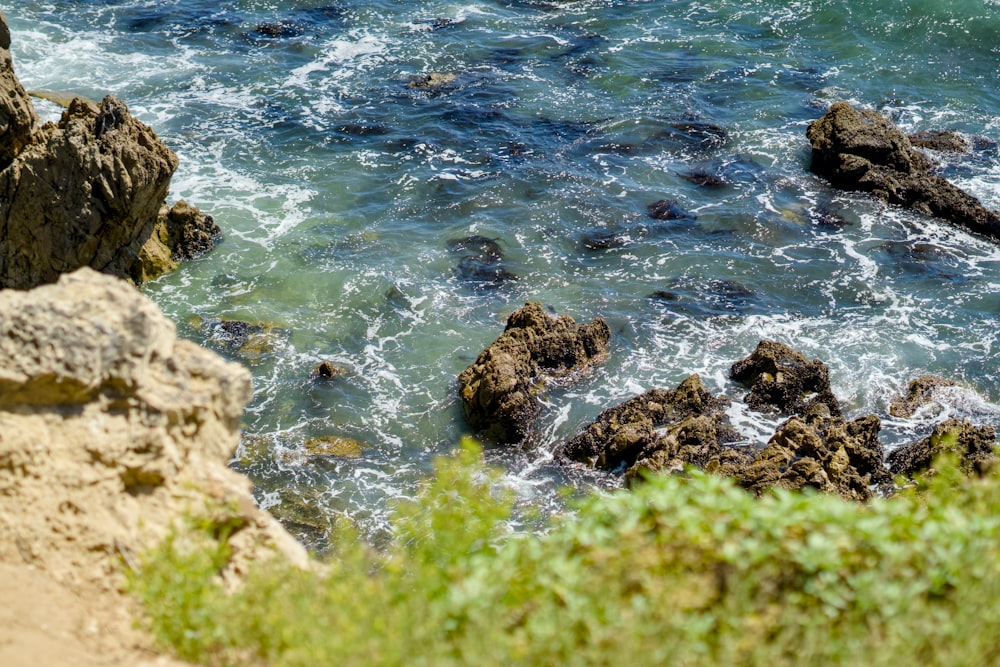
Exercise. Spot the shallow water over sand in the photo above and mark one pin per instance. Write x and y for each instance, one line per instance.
(343, 192)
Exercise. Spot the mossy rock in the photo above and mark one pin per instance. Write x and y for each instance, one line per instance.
(334, 445)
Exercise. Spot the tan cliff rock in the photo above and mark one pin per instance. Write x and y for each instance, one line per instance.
(112, 430)
(89, 190)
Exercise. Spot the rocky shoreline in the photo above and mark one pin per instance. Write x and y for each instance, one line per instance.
(670, 430)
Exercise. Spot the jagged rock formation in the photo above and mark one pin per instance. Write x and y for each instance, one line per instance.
(973, 445)
(499, 390)
(780, 377)
(111, 430)
(860, 150)
(87, 191)
(919, 392)
(820, 452)
(633, 430)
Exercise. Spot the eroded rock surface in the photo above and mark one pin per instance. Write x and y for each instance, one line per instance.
(635, 429)
(973, 445)
(860, 150)
(781, 378)
(111, 430)
(820, 452)
(499, 390)
(87, 191)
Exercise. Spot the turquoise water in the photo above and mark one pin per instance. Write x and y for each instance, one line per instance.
(339, 187)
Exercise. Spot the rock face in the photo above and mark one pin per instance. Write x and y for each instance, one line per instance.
(499, 390)
(111, 429)
(87, 191)
(823, 453)
(633, 430)
(17, 114)
(780, 377)
(972, 444)
(860, 150)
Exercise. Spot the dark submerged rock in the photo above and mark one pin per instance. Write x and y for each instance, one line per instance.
(780, 377)
(704, 178)
(919, 393)
(820, 452)
(668, 209)
(327, 370)
(483, 268)
(974, 445)
(499, 390)
(860, 150)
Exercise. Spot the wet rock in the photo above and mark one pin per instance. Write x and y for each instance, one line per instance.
(328, 371)
(499, 391)
(780, 377)
(705, 135)
(668, 209)
(631, 430)
(973, 445)
(919, 393)
(17, 114)
(944, 142)
(602, 239)
(484, 268)
(860, 150)
(820, 452)
(432, 80)
(706, 298)
(704, 178)
(702, 442)
(334, 445)
(277, 30)
(250, 341)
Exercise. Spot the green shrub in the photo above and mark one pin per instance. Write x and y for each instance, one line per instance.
(683, 570)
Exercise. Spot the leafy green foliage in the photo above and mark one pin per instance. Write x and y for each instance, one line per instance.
(683, 570)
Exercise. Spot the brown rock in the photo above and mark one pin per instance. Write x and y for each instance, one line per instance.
(919, 393)
(974, 445)
(780, 377)
(861, 150)
(17, 114)
(499, 390)
(823, 453)
(944, 142)
(629, 431)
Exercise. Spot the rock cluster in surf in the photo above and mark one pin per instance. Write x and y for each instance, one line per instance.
(89, 190)
(668, 430)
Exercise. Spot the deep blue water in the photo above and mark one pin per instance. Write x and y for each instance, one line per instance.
(344, 194)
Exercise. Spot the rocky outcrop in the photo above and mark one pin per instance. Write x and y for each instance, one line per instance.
(919, 392)
(112, 430)
(820, 452)
(17, 115)
(780, 377)
(860, 150)
(634, 430)
(499, 391)
(972, 445)
(87, 191)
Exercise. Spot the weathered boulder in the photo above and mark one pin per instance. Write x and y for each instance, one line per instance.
(499, 390)
(17, 114)
(702, 441)
(111, 430)
(631, 430)
(919, 392)
(780, 377)
(943, 142)
(860, 150)
(974, 446)
(87, 191)
(820, 452)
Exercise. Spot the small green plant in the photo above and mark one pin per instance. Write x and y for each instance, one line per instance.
(683, 570)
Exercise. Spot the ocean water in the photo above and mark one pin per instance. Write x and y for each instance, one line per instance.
(344, 194)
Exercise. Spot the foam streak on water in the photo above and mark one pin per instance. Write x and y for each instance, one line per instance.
(339, 187)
